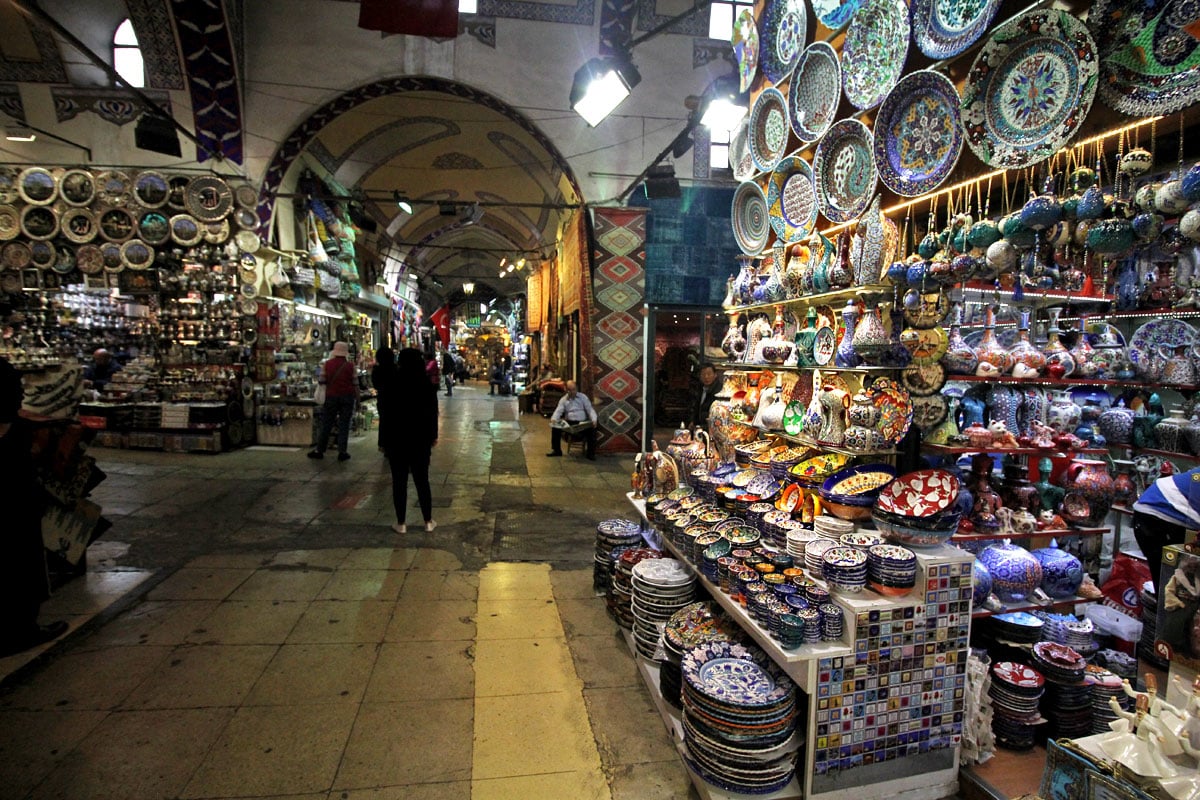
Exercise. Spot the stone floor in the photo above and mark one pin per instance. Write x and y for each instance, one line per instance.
(251, 627)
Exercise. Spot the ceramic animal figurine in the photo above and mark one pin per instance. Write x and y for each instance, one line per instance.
(1001, 436)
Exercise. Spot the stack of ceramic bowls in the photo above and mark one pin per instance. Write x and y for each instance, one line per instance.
(816, 595)
(850, 493)
(1067, 702)
(861, 540)
(797, 540)
(1104, 685)
(814, 555)
(891, 569)
(832, 621)
(661, 586)
(612, 535)
(740, 536)
(1018, 627)
(739, 718)
(918, 509)
(1058, 662)
(695, 623)
(1120, 664)
(784, 460)
(620, 593)
(755, 513)
(832, 528)
(711, 556)
(791, 631)
(845, 569)
(771, 525)
(700, 543)
(1015, 692)
(1079, 636)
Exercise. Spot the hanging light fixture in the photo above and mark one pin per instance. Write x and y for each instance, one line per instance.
(402, 202)
(601, 85)
(469, 288)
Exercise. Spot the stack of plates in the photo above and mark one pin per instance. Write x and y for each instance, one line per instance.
(695, 623)
(861, 540)
(791, 630)
(1058, 663)
(1079, 636)
(1068, 707)
(661, 586)
(891, 569)
(796, 541)
(739, 718)
(815, 595)
(710, 558)
(1018, 626)
(1102, 686)
(702, 542)
(832, 621)
(610, 535)
(845, 569)
(1015, 691)
(1121, 664)
(812, 624)
(620, 594)
(814, 554)
(832, 527)
(755, 513)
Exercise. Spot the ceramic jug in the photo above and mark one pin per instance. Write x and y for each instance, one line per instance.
(990, 351)
(845, 357)
(1178, 368)
(1089, 491)
(805, 338)
(841, 273)
(834, 402)
(744, 283)
(1063, 415)
(871, 341)
(1116, 423)
(960, 358)
(734, 343)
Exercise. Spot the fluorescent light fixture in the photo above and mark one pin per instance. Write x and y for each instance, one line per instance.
(402, 202)
(468, 6)
(19, 133)
(600, 86)
(521, 264)
(723, 114)
(469, 288)
(319, 312)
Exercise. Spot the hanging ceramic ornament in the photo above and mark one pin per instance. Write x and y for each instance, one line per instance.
(1136, 163)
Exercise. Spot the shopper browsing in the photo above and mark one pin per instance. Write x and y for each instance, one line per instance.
(573, 408)
(340, 378)
(410, 402)
(1164, 513)
(101, 370)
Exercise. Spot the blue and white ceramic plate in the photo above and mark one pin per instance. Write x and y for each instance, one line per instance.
(792, 199)
(1150, 63)
(874, 52)
(815, 91)
(768, 129)
(836, 14)
(782, 38)
(751, 219)
(734, 675)
(918, 135)
(844, 169)
(945, 28)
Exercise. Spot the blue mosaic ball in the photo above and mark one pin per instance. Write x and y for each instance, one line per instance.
(981, 583)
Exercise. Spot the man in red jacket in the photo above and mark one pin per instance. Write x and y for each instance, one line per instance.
(340, 377)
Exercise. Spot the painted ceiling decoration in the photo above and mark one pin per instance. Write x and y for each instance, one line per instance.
(155, 29)
(616, 25)
(456, 160)
(111, 105)
(206, 41)
(10, 101)
(39, 61)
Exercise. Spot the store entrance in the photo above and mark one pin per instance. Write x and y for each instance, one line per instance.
(680, 340)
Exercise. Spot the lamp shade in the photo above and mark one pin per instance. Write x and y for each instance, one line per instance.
(600, 86)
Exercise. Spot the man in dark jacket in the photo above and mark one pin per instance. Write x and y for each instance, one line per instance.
(448, 370)
(709, 386)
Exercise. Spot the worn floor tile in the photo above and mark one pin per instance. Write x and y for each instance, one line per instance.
(199, 676)
(554, 733)
(315, 673)
(523, 666)
(437, 560)
(379, 558)
(403, 743)
(93, 592)
(327, 621)
(518, 619)
(573, 584)
(621, 720)
(431, 585)
(93, 679)
(200, 584)
(585, 617)
(403, 671)
(603, 661)
(431, 620)
(364, 584)
(658, 780)
(281, 585)
(576, 785)
(448, 790)
(515, 581)
(248, 623)
(33, 742)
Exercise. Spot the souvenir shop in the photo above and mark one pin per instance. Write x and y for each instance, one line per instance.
(961, 342)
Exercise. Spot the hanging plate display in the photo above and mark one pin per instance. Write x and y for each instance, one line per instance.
(89, 259)
(209, 198)
(117, 225)
(10, 282)
(152, 189)
(740, 160)
(751, 228)
(79, 225)
(15, 255)
(1158, 333)
(781, 38)
(110, 254)
(245, 219)
(768, 129)
(177, 200)
(924, 380)
(137, 254)
(792, 199)
(745, 48)
(246, 196)
(814, 92)
(217, 232)
(895, 409)
(39, 222)
(10, 223)
(185, 230)
(836, 14)
(64, 259)
(37, 186)
(8, 186)
(874, 52)
(77, 187)
(1150, 62)
(929, 412)
(247, 241)
(1030, 89)
(249, 306)
(154, 228)
(845, 171)
(113, 188)
(42, 255)
(945, 28)
(918, 135)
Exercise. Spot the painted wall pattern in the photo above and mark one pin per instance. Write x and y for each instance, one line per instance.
(207, 44)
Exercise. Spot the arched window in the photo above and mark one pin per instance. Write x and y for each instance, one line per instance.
(127, 56)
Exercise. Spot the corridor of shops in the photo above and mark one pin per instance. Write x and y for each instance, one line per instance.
(250, 626)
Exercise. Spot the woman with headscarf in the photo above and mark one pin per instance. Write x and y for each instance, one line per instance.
(410, 405)
(382, 378)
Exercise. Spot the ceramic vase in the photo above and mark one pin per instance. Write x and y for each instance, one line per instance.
(1124, 489)
(1004, 404)
(1082, 351)
(989, 350)
(871, 341)
(841, 274)
(1017, 491)
(981, 583)
(986, 501)
(1063, 414)
(734, 343)
(1024, 355)
(1061, 572)
(834, 402)
(1015, 573)
(960, 358)
(845, 357)
(1170, 432)
(1058, 359)
(1192, 433)
(1089, 492)
(1116, 423)
(805, 339)
(744, 283)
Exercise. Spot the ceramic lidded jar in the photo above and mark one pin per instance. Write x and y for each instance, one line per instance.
(1170, 432)
(871, 341)
(981, 583)
(1015, 573)
(1116, 423)
(1063, 414)
(1062, 573)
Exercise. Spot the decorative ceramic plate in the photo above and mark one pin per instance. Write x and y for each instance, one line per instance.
(895, 409)
(10, 223)
(245, 219)
(1104, 334)
(89, 260)
(79, 225)
(1150, 63)
(918, 135)
(216, 232)
(783, 29)
(77, 187)
(926, 345)
(874, 52)
(64, 259)
(792, 199)
(8, 186)
(793, 418)
(15, 255)
(209, 198)
(39, 222)
(751, 219)
(246, 196)
(1030, 89)
(1018, 674)
(924, 380)
(734, 675)
(824, 346)
(137, 254)
(662, 572)
(42, 255)
(859, 479)
(745, 48)
(152, 189)
(1170, 333)
(154, 228)
(929, 412)
(10, 281)
(919, 494)
(110, 253)
(249, 306)
(37, 186)
(768, 129)
(113, 188)
(945, 28)
(185, 230)
(247, 241)
(836, 14)
(117, 225)
(815, 91)
(740, 160)
(179, 191)
(845, 171)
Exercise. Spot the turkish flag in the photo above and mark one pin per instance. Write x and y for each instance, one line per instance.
(440, 320)
(437, 19)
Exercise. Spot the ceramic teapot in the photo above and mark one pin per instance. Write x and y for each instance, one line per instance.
(1016, 522)
(699, 455)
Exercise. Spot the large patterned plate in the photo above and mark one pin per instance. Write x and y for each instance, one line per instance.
(1151, 65)
(895, 408)
(1169, 333)
(814, 92)
(740, 160)
(918, 136)
(750, 218)
(734, 675)
(781, 38)
(745, 48)
(1030, 88)
(836, 14)
(919, 494)
(845, 171)
(945, 28)
(874, 52)
(792, 199)
(768, 129)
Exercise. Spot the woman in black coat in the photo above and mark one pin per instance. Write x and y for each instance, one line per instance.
(409, 404)
(383, 376)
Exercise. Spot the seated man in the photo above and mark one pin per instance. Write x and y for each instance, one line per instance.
(573, 409)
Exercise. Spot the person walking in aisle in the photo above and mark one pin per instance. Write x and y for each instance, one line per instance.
(341, 394)
(573, 408)
(448, 370)
(383, 376)
(412, 407)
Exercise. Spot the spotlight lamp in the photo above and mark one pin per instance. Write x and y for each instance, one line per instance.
(469, 288)
(601, 85)
(19, 133)
(402, 202)
(723, 113)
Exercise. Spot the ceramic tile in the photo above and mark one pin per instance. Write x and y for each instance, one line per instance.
(603, 661)
(315, 673)
(508, 581)
(445, 790)
(431, 620)
(402, 671)
(200, 584)
(657, 780)
(437, 560)
(523, 666)
(518, 619)
(152, 622)
(576, 785)
(93, 592)
(135, 755)
(94, 679)
(227, 560)
(430, 585)
(328, 621)
(404, 743)
(270, 750)
(199, 676)
(554, 730)
(33, 742)
(379, 558)
(627, 726)
(273, 585)
(331, 558)
(247, 623)
(364, 584)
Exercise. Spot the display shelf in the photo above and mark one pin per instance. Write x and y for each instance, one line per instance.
(1124, 510)
(1036, 297)
(813, 443)
(1145, 313)
(987, 537)
(1153, 451)
(1007, 608)
(1107, 382)
(737, 366)
(822, 298)
(952, 450)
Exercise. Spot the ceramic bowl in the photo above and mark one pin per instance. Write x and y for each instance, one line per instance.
(917, 537)
(858, 485)
(846, 511)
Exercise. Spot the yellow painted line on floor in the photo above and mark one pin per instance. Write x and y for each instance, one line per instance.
(532, 734)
